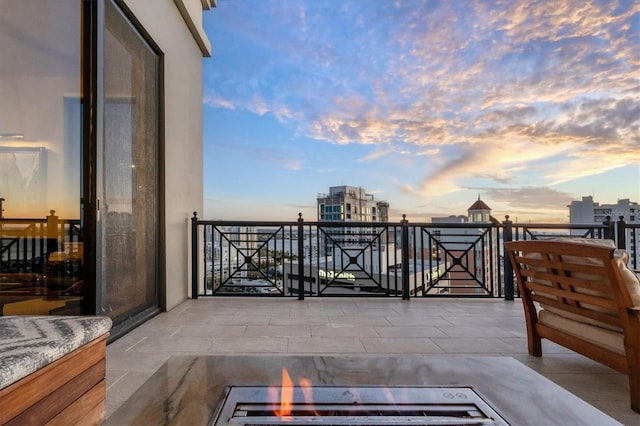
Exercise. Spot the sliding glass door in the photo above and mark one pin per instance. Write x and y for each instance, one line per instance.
(80, 119)
(128, 169)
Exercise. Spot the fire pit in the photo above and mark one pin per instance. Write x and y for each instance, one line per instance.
(366, 390)
(362, 405)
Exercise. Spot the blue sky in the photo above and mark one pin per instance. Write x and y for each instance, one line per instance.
(426, 104)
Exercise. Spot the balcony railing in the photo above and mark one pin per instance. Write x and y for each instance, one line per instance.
(306, 259)
(40, 255)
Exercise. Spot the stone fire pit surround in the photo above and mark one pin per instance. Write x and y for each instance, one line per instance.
(188, 389)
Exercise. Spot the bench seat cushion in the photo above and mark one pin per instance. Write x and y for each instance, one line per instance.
(29, 343)
(611, 340)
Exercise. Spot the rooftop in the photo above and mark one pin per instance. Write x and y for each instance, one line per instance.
(479, 205)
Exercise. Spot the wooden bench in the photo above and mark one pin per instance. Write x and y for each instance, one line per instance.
(52, 370)
(580, 294)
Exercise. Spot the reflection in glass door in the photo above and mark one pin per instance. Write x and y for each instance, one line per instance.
(128, 170)
(42, 240)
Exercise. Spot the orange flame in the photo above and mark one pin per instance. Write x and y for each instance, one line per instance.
(307, 392)
(282, 405)
(286, 395)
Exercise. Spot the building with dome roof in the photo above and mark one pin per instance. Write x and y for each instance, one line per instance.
(479, 212)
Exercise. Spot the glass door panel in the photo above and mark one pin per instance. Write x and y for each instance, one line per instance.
(41, 235)
(128, 169)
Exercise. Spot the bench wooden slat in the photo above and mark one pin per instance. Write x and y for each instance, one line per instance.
(54, 403)
(88, 410)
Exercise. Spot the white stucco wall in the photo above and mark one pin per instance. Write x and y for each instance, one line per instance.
(192, 13)
(162, 19)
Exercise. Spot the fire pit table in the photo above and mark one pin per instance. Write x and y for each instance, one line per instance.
(343, 390)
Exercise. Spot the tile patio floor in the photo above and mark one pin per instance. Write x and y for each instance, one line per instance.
(350, 326)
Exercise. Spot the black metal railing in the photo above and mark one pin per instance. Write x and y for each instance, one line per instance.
(301, 259)
(37, 252)
(305, 259)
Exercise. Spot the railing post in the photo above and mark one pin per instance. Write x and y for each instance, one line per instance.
(301, 257)
(622, 233)
(194, 256)
(52, 232)
(609, 225)
(507, 235)
(405, 257)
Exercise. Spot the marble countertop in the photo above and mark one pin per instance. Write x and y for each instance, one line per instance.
(187, 389)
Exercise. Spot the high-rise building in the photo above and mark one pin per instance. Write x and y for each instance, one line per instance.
(587, 211)
(351, 204)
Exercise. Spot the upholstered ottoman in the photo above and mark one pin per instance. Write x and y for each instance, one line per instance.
(52, 369)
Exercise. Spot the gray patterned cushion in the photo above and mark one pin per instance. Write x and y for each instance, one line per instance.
(28, 343)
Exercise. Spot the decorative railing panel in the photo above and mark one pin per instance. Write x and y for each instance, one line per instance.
(306, 259)
(462, 260)
(242, 258)
(349, 259)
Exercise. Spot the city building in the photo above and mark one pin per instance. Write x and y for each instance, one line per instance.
(351, 204)
(345, 204)
(100, 155)
(451, 219)
(587, 211)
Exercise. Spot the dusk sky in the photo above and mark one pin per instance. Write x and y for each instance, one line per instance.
(426, 104)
